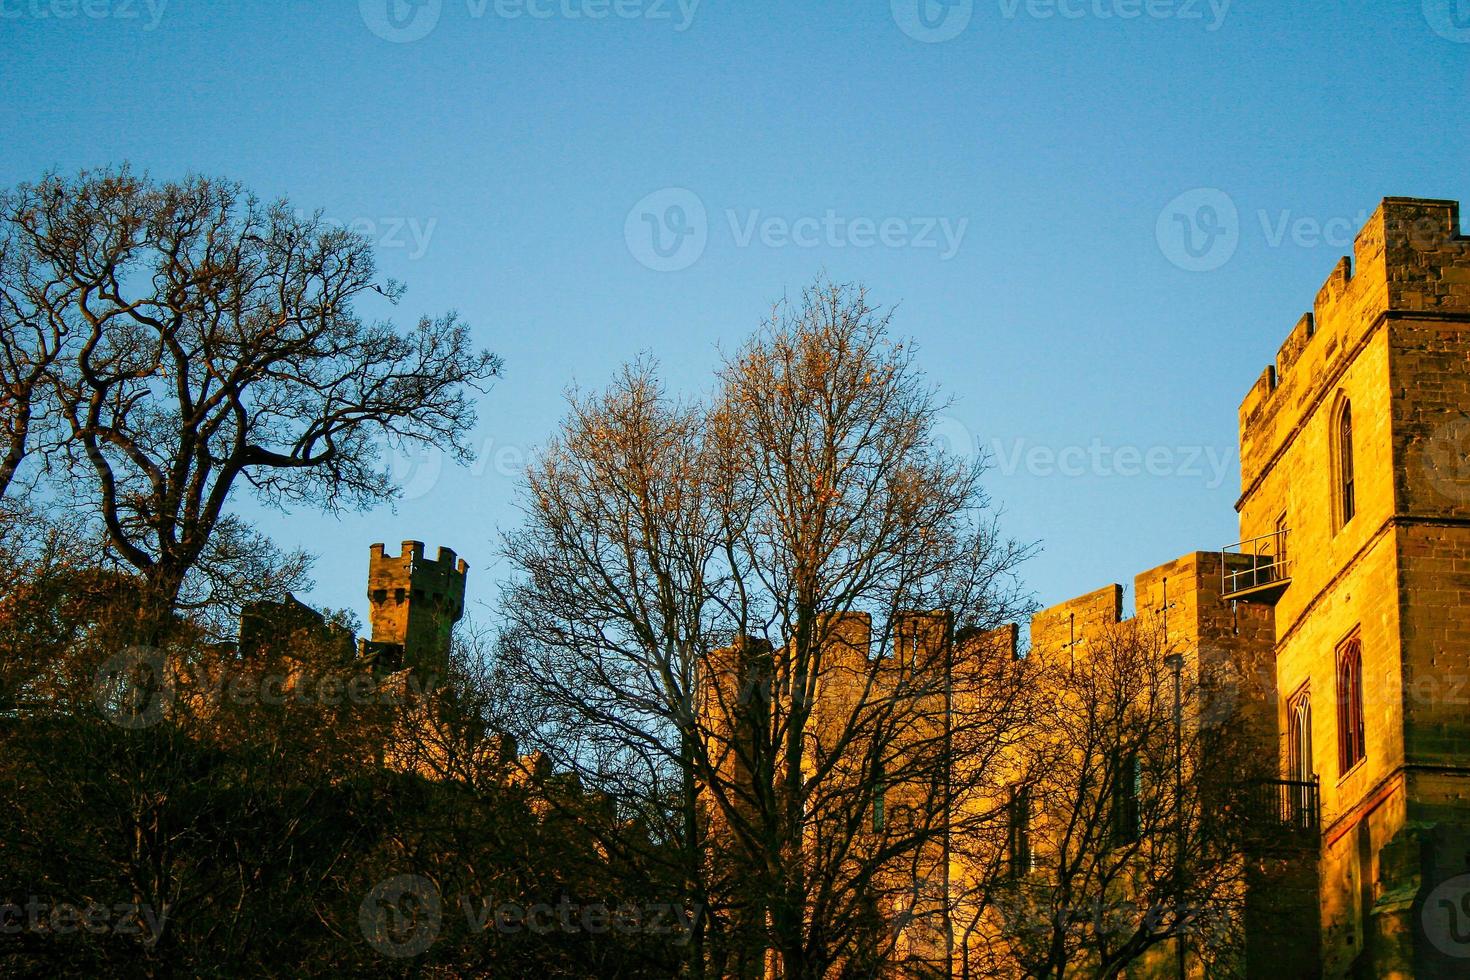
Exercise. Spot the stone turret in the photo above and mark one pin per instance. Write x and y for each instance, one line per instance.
(415, 603)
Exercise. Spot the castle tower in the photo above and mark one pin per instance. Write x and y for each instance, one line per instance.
(1356, 500)
(415, 602)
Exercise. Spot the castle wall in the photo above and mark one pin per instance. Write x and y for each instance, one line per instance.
(1389, 332)
(1430, 377)
(1065, 627)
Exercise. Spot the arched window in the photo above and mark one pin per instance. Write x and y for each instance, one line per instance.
(1347, 501)
(1299, 758)
(1351, 746)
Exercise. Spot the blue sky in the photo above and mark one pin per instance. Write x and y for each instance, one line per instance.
(1016, 175)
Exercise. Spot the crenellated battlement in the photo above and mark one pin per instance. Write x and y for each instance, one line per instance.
(1182, 598)
(413, 551)
(1411, 259)
(415, 600)
(1226, 647)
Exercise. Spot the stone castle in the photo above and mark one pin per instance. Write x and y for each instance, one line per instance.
(414, 601)
(1348, 593)
(1346, 603)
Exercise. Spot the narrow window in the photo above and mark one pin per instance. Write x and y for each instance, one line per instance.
(1127, 789)
(1299, 745)
(880, 789)
(1350, 742)
(1299, 758)
(1283, 570)
(1347, 501)
(1020, 831)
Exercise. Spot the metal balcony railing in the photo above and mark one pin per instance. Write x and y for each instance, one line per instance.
(1290, 805)
(1258, 566)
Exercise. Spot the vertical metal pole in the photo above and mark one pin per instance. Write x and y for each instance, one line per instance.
(1176, 663)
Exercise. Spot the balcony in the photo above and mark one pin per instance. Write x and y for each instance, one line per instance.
(1285, 812)
(1256, 570)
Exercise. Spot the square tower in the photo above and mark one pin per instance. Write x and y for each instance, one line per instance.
(1356, 504)
(415, 603)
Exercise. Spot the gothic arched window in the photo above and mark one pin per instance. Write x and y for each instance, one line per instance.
(1351, 747)
(1299, 758)
(1347, 500)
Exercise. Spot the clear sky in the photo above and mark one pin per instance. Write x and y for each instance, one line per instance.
(584, 180)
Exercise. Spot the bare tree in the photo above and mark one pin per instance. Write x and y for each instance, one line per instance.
(1136, 814)
(192, 339)
(712, 603)
(30, 342)
(615, 610)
